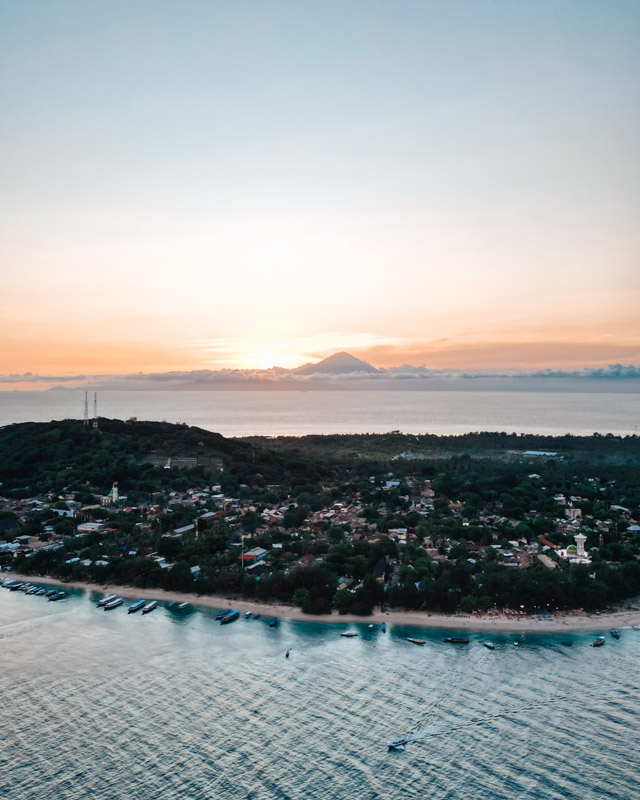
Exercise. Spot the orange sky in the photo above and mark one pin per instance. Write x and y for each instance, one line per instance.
(468, 201)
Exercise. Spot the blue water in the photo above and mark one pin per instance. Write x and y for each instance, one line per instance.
(247, 413)
(108, 705)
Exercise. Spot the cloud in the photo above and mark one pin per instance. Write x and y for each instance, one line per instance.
(29, 377)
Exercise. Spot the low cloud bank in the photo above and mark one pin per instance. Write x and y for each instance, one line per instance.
(277, 376)
(29, 377)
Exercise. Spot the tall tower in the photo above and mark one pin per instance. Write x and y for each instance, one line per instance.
(86, 409)
(95, 411)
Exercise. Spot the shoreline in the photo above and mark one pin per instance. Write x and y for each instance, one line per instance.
(576, 621)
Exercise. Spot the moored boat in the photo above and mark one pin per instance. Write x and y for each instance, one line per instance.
(105, 600)
(58, 596)
(149, 607)
(232, 616)
(598, 642)
(383, 627)
(273, 622)
(489, 645)
(247, 614)
(136, 606)
(349, 634)
(457, 640)
(614, 633)
(223, 614)
(416, 641)
(117, 601)
(50, 593)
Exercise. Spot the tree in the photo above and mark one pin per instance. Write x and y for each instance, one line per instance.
(343, 600)
(301, 597)
(468, 603)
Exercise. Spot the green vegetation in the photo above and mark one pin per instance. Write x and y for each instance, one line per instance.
(335, 522)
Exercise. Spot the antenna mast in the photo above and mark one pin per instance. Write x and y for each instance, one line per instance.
(86, 409)
(95, 411)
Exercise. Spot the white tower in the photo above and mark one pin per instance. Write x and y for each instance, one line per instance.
(580, 540)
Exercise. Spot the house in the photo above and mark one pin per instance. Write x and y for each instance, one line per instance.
(90, 527)
(254, 555)
(257, 569)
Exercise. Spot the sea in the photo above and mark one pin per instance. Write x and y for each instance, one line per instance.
(173, 705)
(296, 413)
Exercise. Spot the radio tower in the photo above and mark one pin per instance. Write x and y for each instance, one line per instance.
(86, 409)
(95, 411)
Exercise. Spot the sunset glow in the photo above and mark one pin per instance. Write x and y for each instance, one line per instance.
(420, 189)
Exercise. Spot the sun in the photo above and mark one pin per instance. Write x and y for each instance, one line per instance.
(267, 357)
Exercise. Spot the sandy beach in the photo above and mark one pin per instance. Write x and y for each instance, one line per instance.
(569, 621)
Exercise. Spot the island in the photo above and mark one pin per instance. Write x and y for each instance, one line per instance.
(466, 524)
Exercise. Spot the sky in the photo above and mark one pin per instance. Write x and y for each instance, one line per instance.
(212, 184)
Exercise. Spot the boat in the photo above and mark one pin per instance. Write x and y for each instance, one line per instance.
(349, 634)
(398, 743)
(230, 617)
(383, 627)
(223, 614)
(247, 614)
(286, 655)
(273, 622)
(614, 633)
(149, 607)
(41, 592)
(183, 606)
(50, 593)
(33, 590)
(369, 627)
(416, 641)
(15, 587)
(106, 600)
(489, 645)
(58, 596)
(136, 606)
(173, 604)
(598, 642)
(117, 601)
(456, 640)
(516, 644)
(635, 627)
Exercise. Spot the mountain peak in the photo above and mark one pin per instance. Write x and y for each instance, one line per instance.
(337, 364)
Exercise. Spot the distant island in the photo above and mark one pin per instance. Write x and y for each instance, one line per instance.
(349, 523)
(345, 371)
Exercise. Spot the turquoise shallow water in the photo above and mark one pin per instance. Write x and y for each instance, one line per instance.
(108, 705)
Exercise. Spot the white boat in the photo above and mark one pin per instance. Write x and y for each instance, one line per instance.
(489, 645)
(349, 634)
(149, 607)
(117, 601)
(247, 614)
(106, 600)
(398, 743)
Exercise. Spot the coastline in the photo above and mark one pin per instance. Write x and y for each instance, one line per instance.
(569, 621)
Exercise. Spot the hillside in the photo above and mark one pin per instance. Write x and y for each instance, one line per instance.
(337, 364)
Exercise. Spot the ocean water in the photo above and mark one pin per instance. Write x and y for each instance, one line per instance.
(273, 413)
(103, 705)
